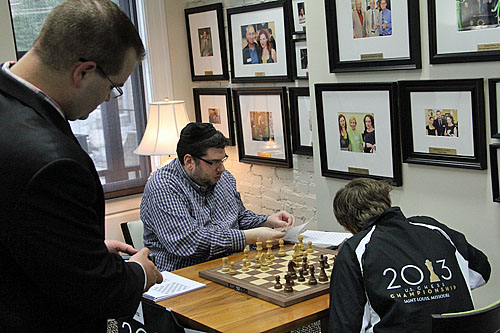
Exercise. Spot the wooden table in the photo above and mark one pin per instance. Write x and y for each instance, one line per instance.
(217, 308)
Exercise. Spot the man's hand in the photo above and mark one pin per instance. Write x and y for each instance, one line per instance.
(115, 246)
(153, 276)
(279, 220)
(264, 233)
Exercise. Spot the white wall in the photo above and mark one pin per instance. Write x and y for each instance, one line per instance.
(460, 198)
(7, 48)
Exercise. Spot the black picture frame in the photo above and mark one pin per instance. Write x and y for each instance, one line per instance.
(464, 101)
(300, 73)
(271, 147)
(260, 16)
(494, 96)
(299, 19)
(208, 99)
(495, 185)
(448, 44)
(372, 53)
(297, 117)
(341, 159)
(207, 69)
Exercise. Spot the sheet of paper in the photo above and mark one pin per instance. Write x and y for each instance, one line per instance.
(325, 238)
(172, 285)
(293, 232)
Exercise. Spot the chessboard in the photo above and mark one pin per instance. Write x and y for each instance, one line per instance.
(259, 283)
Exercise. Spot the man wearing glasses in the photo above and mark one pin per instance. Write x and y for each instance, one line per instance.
(52, 202)
(191, 209)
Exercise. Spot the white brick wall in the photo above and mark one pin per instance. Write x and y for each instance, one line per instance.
(266, 189)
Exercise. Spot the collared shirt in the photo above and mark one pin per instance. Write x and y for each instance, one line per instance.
(6, 68)
(254, 55)
(186, 224)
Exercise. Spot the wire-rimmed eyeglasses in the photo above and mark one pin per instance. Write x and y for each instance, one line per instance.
(115, 90)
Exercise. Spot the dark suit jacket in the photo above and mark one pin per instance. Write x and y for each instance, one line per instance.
(56, 274)
(440, 129)
(247, 59)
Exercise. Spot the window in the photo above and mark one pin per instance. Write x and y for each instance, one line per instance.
(115, 128)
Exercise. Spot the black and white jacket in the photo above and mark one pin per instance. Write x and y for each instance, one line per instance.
(396, 272)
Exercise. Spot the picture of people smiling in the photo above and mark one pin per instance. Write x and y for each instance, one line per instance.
(357, 132)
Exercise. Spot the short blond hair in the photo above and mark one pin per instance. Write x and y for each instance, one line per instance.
(360, 200)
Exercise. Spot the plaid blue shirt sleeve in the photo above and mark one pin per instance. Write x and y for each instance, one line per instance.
(185, 225)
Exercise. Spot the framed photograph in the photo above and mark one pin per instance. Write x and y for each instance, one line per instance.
(443, 123)
(259, 42)
(494, 161)
(299, 16)
(262, 123)
(369, 35)
(214, 105)
(301, 65)
(300, 111)
(349, 144)
(494, 94)
(207, 43)
(463, 30)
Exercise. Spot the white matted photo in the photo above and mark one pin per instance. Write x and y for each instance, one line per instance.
(260, 42)
(262, 126)
(464, 30)
(443, 122)
(299, 16)
(207, 43)
(302, 130)
(350, 144)
(370, 35)
(213, 105)
(301, 59)
(494, 97)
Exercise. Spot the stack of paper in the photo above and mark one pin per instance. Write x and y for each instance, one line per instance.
(325, 238)
(172, 285)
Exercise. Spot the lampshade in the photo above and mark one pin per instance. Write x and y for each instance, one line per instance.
(165, 122)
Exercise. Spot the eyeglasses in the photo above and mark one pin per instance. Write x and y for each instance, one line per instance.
(214, 163)
(115, 90)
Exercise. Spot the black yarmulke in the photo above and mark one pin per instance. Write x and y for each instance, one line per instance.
(196, 132)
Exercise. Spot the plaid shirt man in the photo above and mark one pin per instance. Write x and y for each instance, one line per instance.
(186, 224)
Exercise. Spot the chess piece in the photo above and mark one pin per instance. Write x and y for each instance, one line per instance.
(225, 267)
(277, 285)
(292, 283)
(295, 259)
(245, 265)
(296, 250)
(291, 269)
(281, 252)
(322, 274)
(232, 271)
(269, 245)
(288, 284)
(305, 266)
(327, 265)
(259, 246)
(301, 244)
(301, 277)
(264, 265)
(257, 262)
(309, 247)
(321, 262)
(245, 252)
(312, 278)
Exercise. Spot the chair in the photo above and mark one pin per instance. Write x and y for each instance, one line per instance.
(484, 320)
(133, 232)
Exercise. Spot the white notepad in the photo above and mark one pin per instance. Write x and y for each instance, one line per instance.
(324, 238)
(172, 285)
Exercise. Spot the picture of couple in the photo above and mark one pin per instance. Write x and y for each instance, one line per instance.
(351, 137)
(258, 43)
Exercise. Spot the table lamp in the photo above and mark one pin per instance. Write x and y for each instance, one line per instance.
(165, 121)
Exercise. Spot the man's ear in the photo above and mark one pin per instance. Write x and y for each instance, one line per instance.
(81, 71)
(189, 162)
